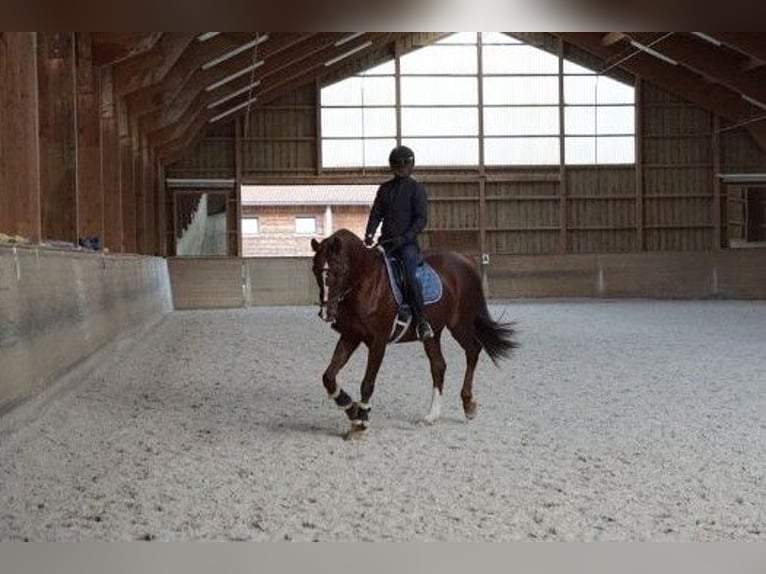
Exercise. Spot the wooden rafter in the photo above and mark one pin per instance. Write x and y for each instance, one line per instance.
(112, 47)
(298, 72)
(150, 67)
(193, 92)
(677, 79)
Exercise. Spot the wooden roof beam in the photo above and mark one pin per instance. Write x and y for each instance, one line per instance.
(675, 79)
(752, 44)
(273, 72)
(290, 78)
(150, 67)
(160, 94)
(111, 47)
(707, 60)
(279, 48)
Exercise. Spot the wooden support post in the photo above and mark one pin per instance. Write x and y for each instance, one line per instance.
(318, 102)
(639, 148)
(235, 244)
(715, 144)
(55, 80)
(90, 200)
(110, 164)
(563, 216)
(20, 160)
(162, 216)
(483, 247)
(128, 199)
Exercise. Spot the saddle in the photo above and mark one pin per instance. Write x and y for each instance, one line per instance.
(430, 282)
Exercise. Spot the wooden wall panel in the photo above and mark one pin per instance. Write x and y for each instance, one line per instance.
(55, 78)
(110, 164)
(19, 141)
(90, 201)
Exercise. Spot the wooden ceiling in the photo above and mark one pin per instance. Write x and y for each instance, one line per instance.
(176, 84)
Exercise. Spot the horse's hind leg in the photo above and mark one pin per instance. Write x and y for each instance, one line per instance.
(438, 368)
(472, 348)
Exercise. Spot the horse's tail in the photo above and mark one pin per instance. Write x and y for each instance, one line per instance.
(495, 337)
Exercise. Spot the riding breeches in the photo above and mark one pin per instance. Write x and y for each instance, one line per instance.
(409, 254)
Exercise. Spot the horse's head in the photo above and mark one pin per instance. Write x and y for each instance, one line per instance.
(331, 269)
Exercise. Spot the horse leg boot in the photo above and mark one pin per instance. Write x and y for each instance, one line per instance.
(361, 420)
(343, 351)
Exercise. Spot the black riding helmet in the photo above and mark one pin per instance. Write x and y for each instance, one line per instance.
(401, 156)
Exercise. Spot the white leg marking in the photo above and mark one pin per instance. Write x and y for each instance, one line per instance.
(436, 407)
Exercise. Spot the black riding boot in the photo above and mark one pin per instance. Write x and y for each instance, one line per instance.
(422, 327)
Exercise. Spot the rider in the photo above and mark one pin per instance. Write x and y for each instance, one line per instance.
(402, 204)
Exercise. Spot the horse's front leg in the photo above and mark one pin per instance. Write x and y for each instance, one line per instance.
(361, 420)
(343, 351)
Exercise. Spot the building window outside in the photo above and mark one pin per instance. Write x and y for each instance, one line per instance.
(250, 226)
(305, 225)
(439, 91)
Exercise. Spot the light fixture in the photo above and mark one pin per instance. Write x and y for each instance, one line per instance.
(232, 110)
(233, 76)
(348, 38)
(234, 52)
(205, 36)
(233, 95)
(345, 55)
(707, 38)
(653, 52)
(756, 103)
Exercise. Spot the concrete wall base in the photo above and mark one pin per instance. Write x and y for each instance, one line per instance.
(59, 307)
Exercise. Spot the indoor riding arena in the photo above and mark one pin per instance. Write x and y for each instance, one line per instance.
(164, 368)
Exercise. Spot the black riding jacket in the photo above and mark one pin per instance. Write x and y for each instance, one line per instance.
(401, 203)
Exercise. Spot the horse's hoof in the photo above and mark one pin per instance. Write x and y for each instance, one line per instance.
(470, 410)
(355, 432)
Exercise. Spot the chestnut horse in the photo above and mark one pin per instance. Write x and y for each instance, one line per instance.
(356, 297)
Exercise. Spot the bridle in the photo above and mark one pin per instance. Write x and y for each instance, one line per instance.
(336, 299)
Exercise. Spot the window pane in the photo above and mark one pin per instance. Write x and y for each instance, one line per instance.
(521, 121)
(342, 153)
(440, 122)
(305, 225)
(384, 69)
(498, 38)
(459, 38)
(616, 150)
(532, 90)
(440, 59)
(376, 151)
(379, 122)
(250, 226)
(572, 68)
(437, 91)
(437, 151)
(582, 150)
(596, 89)
(611, 120)
(341, 122)
(521, 151)
(356, 91)
(518, 59)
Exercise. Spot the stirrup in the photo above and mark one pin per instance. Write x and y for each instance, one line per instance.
(424, 330)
